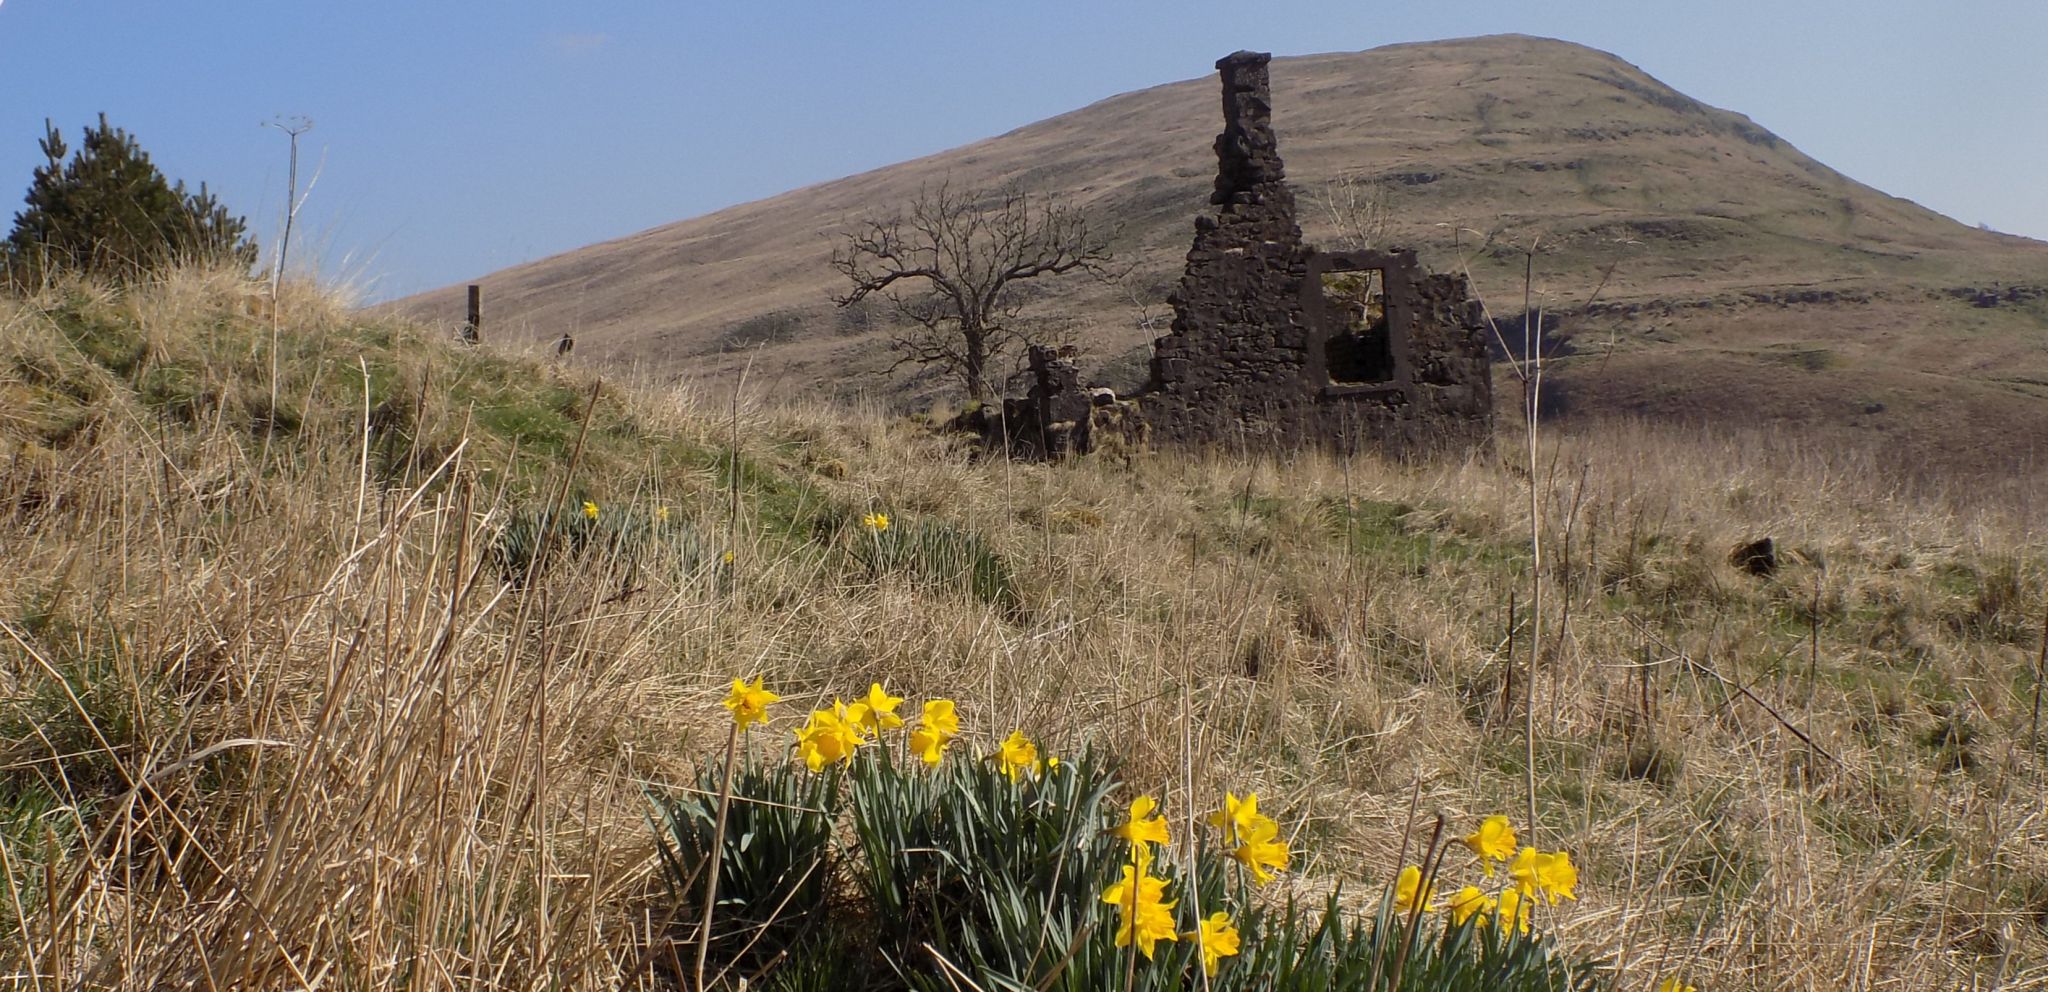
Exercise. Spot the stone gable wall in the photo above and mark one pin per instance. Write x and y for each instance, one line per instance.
(1248, 361)
(1259, 357)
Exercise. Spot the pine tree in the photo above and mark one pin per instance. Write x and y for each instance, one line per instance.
(108, 211)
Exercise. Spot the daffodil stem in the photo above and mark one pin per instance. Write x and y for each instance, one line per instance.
(716, 861)
(1137, 884)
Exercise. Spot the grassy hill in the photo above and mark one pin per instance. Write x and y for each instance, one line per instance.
(295, 692)
(1705, 270)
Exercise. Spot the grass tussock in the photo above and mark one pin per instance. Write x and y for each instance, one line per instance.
(368, 686)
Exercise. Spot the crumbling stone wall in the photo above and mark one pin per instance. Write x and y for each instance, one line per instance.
(1051, 421)
(1058, 416)
(1260, 354)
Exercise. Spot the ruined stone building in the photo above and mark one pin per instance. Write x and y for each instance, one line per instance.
(1277, 344)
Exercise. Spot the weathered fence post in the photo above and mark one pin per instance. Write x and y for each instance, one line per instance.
(471, 327)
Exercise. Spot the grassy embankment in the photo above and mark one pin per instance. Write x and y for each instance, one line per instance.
(283, 707)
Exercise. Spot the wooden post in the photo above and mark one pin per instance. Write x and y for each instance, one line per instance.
(475, 323)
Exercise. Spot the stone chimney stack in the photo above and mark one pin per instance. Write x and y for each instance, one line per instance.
(1248, 168)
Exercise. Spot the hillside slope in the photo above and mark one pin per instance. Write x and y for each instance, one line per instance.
(291, 689)
(1728, 248)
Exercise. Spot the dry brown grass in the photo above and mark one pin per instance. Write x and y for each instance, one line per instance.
(285, 726)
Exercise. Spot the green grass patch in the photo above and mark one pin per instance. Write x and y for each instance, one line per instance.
(629, 540)
(937, 554)
(114, 345)
(1410, 538)
(86, 720)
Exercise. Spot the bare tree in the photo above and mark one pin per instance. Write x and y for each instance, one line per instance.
(1357, 208)
(950, 264)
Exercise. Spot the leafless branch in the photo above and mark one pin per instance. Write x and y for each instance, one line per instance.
(949, 264)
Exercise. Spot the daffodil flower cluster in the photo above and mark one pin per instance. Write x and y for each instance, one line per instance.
(1151, 888)
(1144, 916)
(831, 735)
(1533, 876)
(1253, 838)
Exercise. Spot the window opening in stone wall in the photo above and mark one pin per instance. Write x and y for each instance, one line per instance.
(1359, 348)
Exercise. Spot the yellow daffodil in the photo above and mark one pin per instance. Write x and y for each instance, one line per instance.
(877, 709)
(1523, 871)
(1253, 836)
(1672, 984)
(749, 703)
(661, 514)
(1513, 910)
(1493, 841)
(1557, 877)
(1143, 914)
(941, 716)
(1218, 940)
(1236, 817)
(589, 510)
(935, 729)
(928, 746)
(1409, 892)
(828, 738)
(855, 713)
(1143, 827)
(876, 522)
(809, 749)
(1018, 755)
(848, 718)
(1468, 901)
(1261, 850)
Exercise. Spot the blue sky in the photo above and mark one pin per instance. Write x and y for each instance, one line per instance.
(456, 138)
